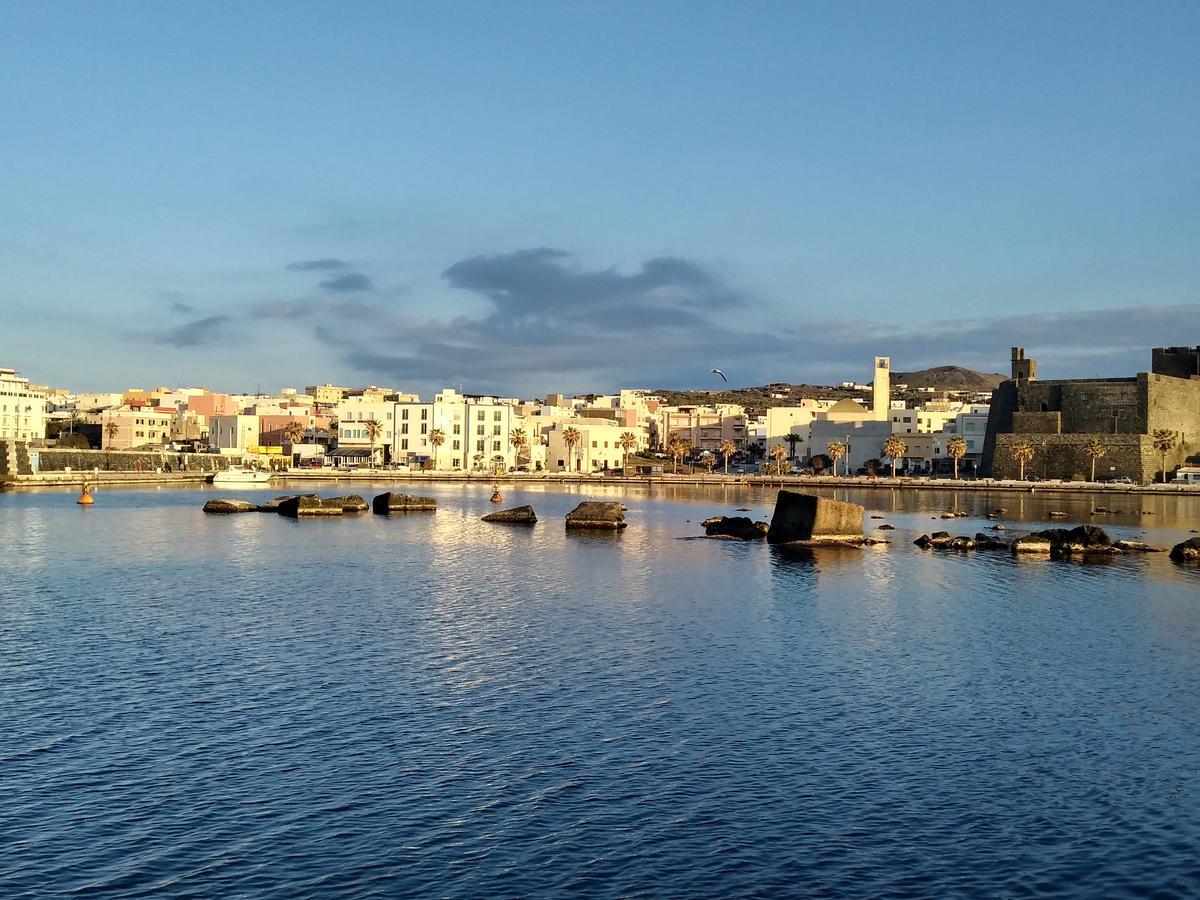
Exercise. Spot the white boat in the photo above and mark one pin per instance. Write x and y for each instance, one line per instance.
(241, 475)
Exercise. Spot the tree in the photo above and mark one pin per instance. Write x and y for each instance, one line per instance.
(708, 460)
(628, 441)
(872, 465)
(895, 449)
(572, 438)
(437, 437)
(836, 450)
(1095, 449)
(792, 440)
(294, 433)
(73, 419)
(678, 448)
(111, 430)
(956, 449)
(374, 430)
(779, 454)
(819, 462)
(1164, 443)
(1022, 452)
(727, 449)
(519, 441)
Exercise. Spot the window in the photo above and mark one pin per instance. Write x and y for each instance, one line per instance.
(458, 445)
(404, 443)
(424, 428)
(498, 416)
(968, 426)
(479, 429)
(479, 446)
(404, 414)
(495, 429)
(593, 445)
(457, 428)
(495, 446)
(424, 414)
(404, 428)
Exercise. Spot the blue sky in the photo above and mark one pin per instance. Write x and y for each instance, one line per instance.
(531, 197)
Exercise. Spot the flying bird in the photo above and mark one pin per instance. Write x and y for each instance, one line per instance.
(722, 374)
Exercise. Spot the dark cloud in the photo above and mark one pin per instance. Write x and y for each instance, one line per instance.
(318, 265)
(349, 283)
(196, 333)
(181, 308)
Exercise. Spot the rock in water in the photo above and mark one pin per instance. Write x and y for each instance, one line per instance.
(393, 502)
(1188, 551)
(273, 505)
(1137, 547)
(1083, 540)
(308, 507)
(596, 514)
(518, 515)
(349, 503)
(805, 517)
(886, 527)
(229, 506)
(736, 528)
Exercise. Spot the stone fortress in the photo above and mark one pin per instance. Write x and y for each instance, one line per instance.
(1059, 417)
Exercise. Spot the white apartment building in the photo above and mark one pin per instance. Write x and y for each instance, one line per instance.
(599, 447)
(233, 435)
(22, 409)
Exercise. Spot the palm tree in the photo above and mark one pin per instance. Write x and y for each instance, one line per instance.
(835, 450)
(437, 437)
(727, 449)
(792, 440)
(294, 433)
(1096, 450)
(1021, 452)
(519, 440)
(956, 449)
(628, 441)
(572, 438)
(374, 429)
(1164, 443)
(895, 449)
(779, 454)
(678, 448)
(708, 460)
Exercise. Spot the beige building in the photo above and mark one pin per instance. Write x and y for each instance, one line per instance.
(704, 427)
(599, 447)
(22, 409)
(127, 428)
(233, 435)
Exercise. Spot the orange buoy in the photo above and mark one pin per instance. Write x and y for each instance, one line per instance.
(85, 499)
(496, 497)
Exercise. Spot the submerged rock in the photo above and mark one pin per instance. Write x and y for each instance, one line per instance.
(273, 505)
(886, 527)
(1137, 547)
(518, 515)
(596, 514)
(226, 505)
(308, 506)
(811, 519)
(1187, 551)
(392, 501)
(735, 528)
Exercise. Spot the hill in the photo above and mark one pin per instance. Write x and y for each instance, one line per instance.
(949, 378)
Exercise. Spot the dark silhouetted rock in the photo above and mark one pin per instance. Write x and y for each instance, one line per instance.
(886, 527)
(1187, 551)
(737, 528)
(307, 506)
(229, 506)
(273, 505)
(394, 502)
(986, 542)
(518, 515)
(349, 503)
(1083, 540)
(596, 514)
(810, 519)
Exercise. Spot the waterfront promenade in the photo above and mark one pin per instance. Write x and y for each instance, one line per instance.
(363, 476)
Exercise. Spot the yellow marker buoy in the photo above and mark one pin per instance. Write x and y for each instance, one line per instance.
(496, 496)
(85, 499)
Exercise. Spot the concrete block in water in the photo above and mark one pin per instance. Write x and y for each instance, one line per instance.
(812, 519)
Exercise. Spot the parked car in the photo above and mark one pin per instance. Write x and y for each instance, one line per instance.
(1118, 479)
(1032, 478)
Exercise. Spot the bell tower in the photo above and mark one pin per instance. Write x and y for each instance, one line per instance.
(882, 389)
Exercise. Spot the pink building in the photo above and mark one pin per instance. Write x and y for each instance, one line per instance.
(124, 428)
(270, 428)
(208, 405)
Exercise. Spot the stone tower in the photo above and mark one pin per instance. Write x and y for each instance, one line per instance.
(1023, 369)
(882, 389)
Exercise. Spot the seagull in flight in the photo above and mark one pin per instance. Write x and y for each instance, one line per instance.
(722, 374)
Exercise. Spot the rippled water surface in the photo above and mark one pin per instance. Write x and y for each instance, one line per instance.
(246, 706)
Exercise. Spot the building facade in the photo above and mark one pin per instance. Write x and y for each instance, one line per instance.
(22, 409)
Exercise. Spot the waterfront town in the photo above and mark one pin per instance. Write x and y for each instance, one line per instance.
(1130, 430)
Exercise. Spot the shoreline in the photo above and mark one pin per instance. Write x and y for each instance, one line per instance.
(136, 479)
